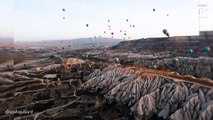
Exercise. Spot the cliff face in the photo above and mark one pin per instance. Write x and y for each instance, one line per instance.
(153, 96)
(168, 54)
(54, 87)
(176, 46)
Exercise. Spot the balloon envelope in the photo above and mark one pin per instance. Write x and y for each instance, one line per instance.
(206, 49)
(190, 51)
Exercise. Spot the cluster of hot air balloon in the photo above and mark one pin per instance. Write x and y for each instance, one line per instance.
(63, 11)
(205, 50)
(155, 10)
(190, 51)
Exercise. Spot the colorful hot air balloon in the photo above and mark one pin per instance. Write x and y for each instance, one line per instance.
(190, 51)
(176, 60)
(206, 49)
(134, 50)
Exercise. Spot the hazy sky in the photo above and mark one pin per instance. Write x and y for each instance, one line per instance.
(43, 19)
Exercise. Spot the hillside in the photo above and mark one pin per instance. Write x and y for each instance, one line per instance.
(168, 45)
(70, 44)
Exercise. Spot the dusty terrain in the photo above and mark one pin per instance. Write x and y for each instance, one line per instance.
(107, 84)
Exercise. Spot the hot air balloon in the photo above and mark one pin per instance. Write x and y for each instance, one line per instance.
(112, 33)
(87, 25)
(176, 60)
(190, 51)
(127, 20)
(130, 26)
(125, 34)
(63, 10)
(120, 30)
(104, 32)
(108, 20)
(134, 50)
(63, 17)
(165, 32)
(153, 10)
(133, 25)
(206, 49)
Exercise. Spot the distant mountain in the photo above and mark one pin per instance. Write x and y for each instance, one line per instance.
(70, 44)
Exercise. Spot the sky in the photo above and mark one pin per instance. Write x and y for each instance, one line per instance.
(30, 20)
